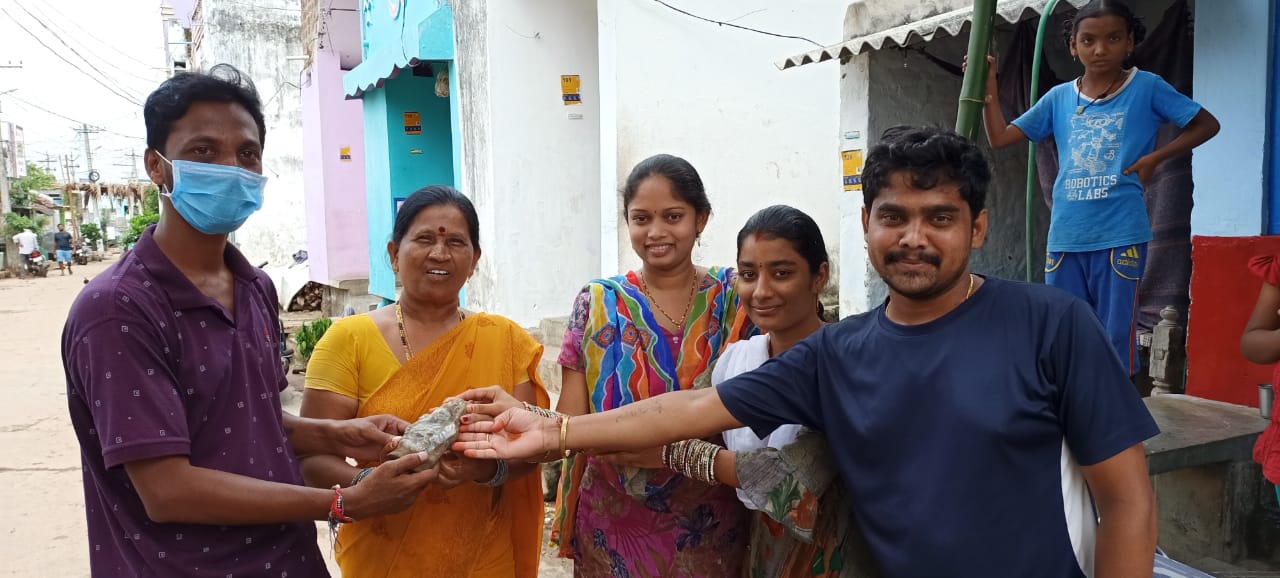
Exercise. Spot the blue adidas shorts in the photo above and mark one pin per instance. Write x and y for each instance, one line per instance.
(1108, 281)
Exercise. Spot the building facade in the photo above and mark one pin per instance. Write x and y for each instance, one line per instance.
(333, 146)
(547, 106)
(263, 40)
(894, 70)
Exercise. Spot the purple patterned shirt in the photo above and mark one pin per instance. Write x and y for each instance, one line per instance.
(155, 368)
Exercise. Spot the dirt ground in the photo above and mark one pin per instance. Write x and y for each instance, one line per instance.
(44, 526)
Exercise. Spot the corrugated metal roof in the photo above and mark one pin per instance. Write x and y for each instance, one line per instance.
(923, 30)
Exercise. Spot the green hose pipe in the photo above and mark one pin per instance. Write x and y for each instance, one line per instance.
(1030, 229)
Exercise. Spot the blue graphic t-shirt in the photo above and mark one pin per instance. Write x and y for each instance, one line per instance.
(1095, 205)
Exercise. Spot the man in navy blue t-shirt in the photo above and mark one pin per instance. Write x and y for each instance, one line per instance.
(976, 422)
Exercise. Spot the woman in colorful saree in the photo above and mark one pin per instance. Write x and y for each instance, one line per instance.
(633, 337)
(801, 525)
(484, 518)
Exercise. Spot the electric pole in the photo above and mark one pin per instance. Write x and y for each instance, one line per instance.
(49, 162)
(69, 165)
(86, 130)
(132, 164)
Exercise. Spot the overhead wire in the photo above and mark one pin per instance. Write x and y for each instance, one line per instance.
(59, 38)
(732, 25)
(78, 38)
(52, 6)
(27, 103)
(129, 99)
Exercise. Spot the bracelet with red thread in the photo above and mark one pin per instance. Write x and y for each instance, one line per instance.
(336, 513)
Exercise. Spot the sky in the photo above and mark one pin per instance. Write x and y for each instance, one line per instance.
(99, 61)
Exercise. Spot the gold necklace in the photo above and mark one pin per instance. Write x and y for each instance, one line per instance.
(404, 335)
(970, 292)
(688, 307)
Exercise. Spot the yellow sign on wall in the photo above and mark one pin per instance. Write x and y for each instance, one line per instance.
(852, 163)
(571, 89)
(412, 123)
(344, 154)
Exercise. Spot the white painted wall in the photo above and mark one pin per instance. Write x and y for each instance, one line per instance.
(531, 170)
(711, 94)
(257, 38)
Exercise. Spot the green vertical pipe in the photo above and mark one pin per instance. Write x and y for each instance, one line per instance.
(1030, 228)
(974, 89)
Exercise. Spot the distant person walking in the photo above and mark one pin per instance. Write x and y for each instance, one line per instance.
(63, 249)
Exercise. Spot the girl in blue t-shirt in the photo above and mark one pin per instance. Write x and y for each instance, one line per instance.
(1105, 125)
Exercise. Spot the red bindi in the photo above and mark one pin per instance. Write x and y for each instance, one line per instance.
(442, 230)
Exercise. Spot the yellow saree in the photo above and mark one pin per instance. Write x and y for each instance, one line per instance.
(471, 530)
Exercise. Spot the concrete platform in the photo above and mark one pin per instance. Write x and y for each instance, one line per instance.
(1196, 432)
(1212, 500)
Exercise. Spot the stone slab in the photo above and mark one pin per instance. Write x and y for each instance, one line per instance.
(1196, 432)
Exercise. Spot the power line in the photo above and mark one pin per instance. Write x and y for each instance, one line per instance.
(52, 6)
(732, 25)
(79, 39)
(65, 117)
(130, 100)
(73, 50)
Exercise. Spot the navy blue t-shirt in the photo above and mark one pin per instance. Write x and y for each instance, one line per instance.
(949, 435)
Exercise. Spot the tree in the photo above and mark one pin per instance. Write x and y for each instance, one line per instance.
(15, 223)
(150, 214)
(91, 234)
(22, 190)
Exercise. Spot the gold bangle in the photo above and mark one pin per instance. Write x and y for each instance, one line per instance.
(565, 437)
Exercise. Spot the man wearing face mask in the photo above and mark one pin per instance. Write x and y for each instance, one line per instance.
(173, 375)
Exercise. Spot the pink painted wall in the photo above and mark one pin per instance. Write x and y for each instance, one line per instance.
(337, 229)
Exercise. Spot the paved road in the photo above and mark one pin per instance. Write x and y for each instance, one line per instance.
(44, 527)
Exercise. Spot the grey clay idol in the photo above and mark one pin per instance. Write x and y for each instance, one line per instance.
(433, 433)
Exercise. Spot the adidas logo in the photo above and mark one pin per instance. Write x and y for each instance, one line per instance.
(1132, 253)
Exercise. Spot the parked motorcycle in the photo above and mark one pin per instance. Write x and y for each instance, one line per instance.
(37, 265)
(80, 255)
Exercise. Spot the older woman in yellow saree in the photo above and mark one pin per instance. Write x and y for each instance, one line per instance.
(484, 518)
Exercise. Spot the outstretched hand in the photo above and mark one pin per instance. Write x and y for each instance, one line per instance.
(363, 438)
(486, 403)
(516, 434)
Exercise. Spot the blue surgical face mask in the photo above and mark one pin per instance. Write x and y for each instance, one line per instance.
(215, 199)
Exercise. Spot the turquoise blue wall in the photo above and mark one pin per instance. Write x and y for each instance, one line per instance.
(397, 163)
(421, 29)
(400, 163)
(378, 192)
